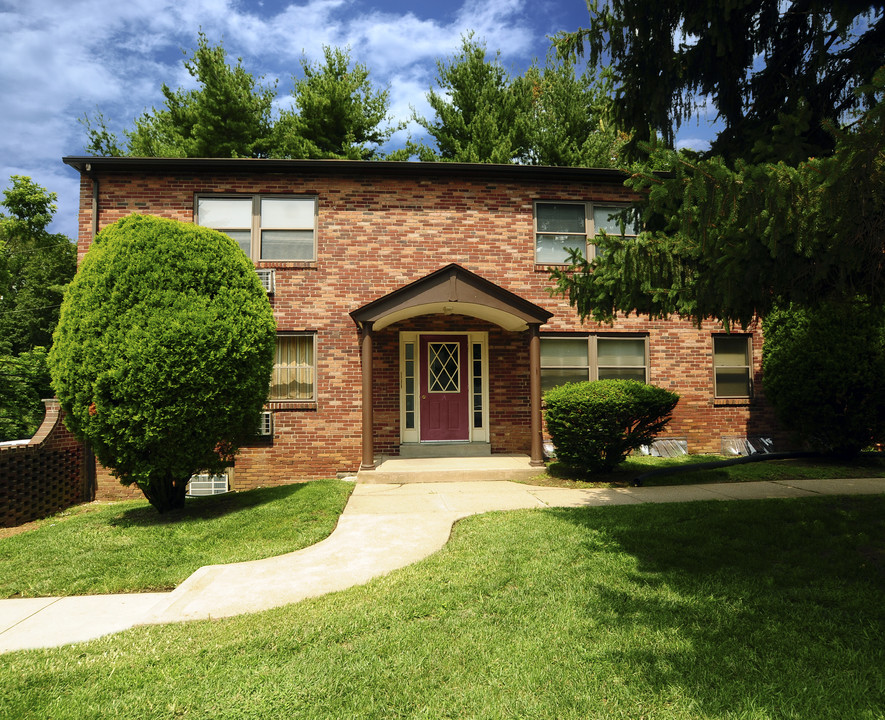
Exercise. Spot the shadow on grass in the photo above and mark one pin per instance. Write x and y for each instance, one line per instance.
(624, 473)
(204, 508)
(681, 471)
(760, 608)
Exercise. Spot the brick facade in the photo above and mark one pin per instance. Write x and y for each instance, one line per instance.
(380, 227)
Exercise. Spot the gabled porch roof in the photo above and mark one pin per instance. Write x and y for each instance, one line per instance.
(452, 290)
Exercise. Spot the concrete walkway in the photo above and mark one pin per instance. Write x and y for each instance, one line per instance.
(384, 527)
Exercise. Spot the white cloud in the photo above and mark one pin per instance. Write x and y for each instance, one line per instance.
(499, 22)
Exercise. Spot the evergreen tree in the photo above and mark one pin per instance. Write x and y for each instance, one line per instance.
(337, 113)
(571, 120)
(733, 240)
(163, 353)
(229, 115)
(832, 397)
(787, 207)
(482, 114)
(755, 60)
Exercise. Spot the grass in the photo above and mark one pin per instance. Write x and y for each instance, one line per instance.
(129, 547)
(867, 465)
(729, 610)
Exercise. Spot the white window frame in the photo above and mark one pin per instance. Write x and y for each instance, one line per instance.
(586, 239)
(313, 398)
(255, 229)
(592, 341)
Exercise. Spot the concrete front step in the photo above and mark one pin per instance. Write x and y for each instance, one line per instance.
(450, 469)
(444, 450)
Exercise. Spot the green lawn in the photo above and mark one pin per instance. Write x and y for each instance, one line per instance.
(757, 609)
(130, 547)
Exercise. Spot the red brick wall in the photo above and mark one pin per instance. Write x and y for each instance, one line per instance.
(44, 475)
(377, 233)
(107, 487)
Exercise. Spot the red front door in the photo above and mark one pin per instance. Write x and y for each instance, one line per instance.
(444, 388)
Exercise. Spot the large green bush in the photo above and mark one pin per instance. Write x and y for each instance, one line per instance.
(595, 424)
(163, 353)
(823, 370)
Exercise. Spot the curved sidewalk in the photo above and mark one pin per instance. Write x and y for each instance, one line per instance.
(384, 527)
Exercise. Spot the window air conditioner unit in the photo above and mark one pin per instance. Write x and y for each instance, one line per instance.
(205, 484)
(265, 424)
(268, 279)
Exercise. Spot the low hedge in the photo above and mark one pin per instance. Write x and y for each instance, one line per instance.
(594, 425)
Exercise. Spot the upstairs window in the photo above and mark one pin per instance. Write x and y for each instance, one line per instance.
(597, 357)
(732, 366)
(265, 227)
(561, 226)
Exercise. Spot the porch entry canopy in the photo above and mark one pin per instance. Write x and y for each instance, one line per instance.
(452, 290)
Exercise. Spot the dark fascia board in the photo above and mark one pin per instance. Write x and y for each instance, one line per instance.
(87, 165)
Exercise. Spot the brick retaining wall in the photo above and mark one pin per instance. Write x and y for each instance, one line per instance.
(45, 474)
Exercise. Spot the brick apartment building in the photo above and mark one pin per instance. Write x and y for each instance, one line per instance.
(412, 305)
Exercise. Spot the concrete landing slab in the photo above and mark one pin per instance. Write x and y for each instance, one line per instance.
(450, 469)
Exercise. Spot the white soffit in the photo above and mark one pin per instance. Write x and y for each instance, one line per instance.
(501, 318)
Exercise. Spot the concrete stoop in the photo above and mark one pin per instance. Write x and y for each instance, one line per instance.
(398, 470)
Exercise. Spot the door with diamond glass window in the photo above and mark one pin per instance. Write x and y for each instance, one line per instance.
(444, 388)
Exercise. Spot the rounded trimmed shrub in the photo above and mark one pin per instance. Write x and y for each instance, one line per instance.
(594, 425)
(823, 370)
(163, 353)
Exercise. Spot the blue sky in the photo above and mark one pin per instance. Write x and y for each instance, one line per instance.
(60, 59)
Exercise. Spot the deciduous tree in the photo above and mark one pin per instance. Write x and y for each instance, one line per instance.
(24, 382)
(35, 267)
